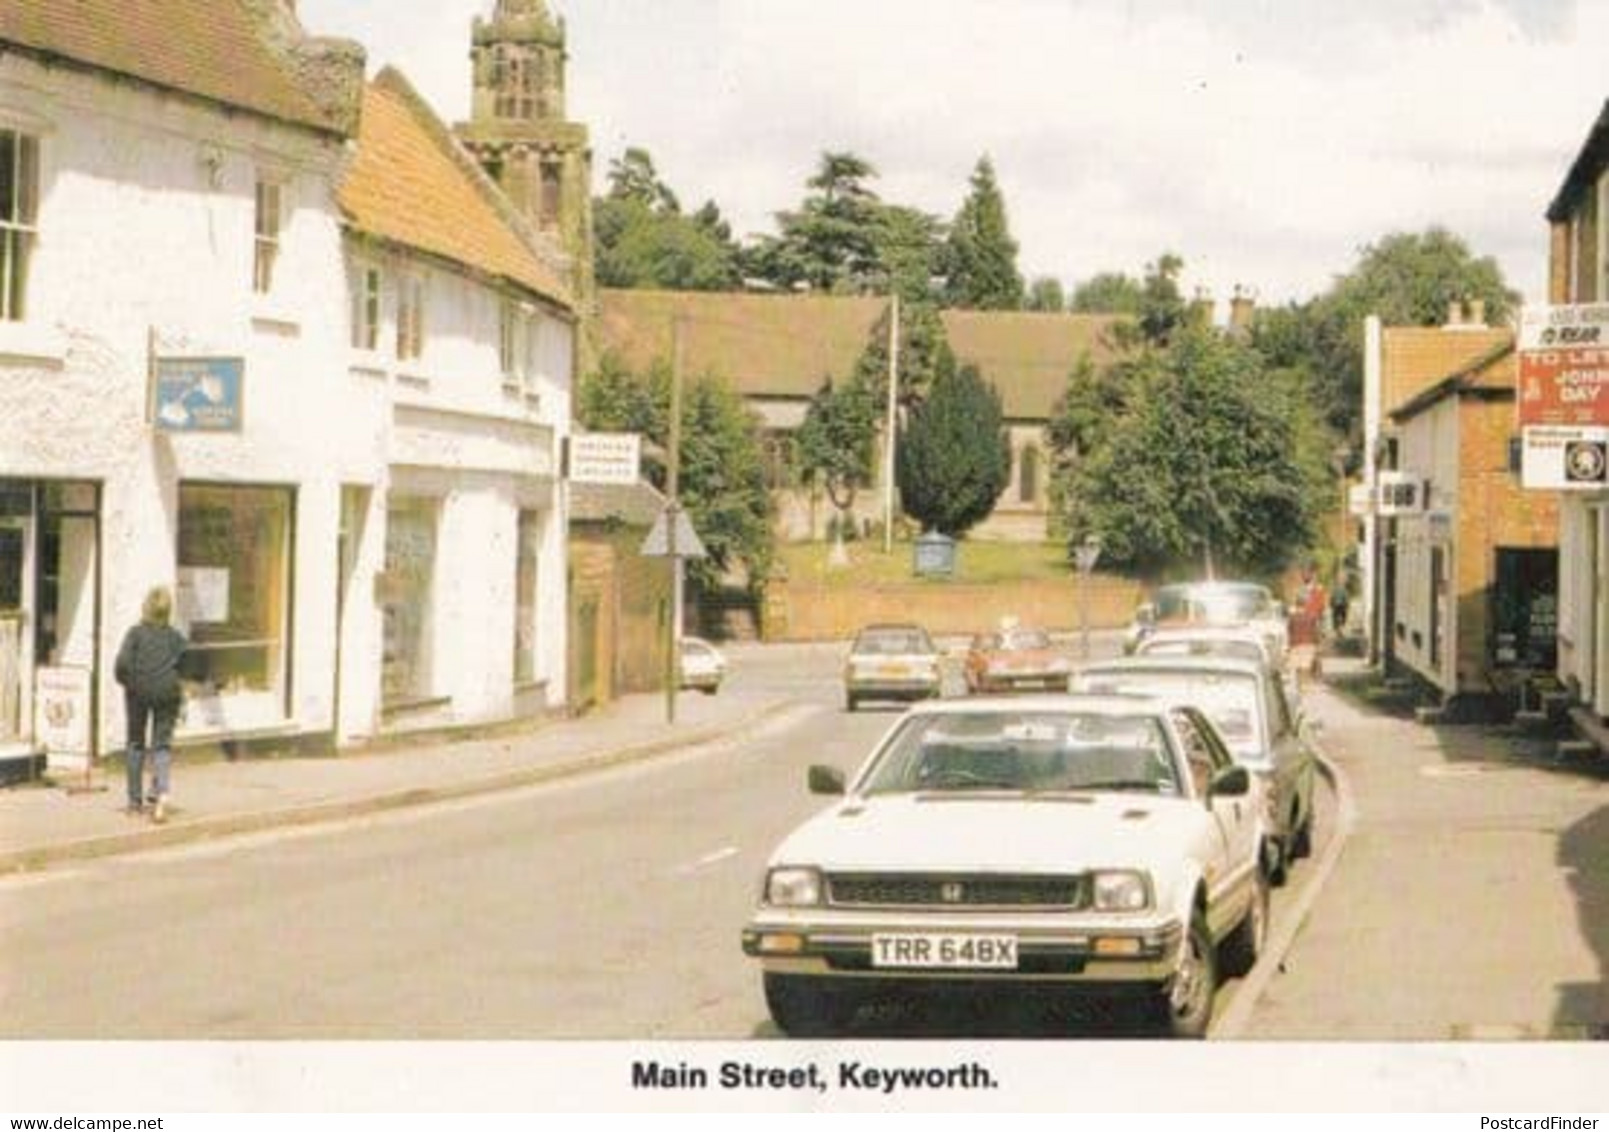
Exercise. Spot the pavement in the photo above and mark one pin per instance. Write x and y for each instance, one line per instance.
(1469, 898)
(41, 825)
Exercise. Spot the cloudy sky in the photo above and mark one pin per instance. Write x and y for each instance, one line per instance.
(1266, 141)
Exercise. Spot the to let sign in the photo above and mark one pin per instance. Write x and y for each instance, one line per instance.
(1564, 366)
(197, 394)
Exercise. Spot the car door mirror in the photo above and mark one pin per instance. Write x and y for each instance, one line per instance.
(1231, 782)
(826, 780)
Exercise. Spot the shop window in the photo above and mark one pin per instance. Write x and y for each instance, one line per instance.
(1525, 609)
(268, 217)
(19, 207)
(366, 309)
(525, 612)
(406, 603)
(233, 593)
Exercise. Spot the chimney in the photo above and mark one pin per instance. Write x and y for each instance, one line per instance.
(1455, 312)
(1201, 307)
(1477, 312)
(1241, 308)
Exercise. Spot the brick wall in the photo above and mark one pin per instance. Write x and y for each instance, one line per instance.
(802, 611)
(1493, 512)
(631, 596)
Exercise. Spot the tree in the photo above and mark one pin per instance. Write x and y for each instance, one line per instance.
(830, 242)
(1408, 279)
(836, 441)
(980, 258)
(954, 458)
(1108, 293)
(722, 470)
(642, 239)
(1200, 465)
(1045, 294)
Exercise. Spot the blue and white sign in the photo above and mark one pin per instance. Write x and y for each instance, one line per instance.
(198, 394)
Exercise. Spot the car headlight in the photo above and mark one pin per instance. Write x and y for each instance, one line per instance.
(1122, 891)
(793, 888)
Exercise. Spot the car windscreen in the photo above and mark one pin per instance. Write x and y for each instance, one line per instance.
(1031, 751)
(1229, 699)
(1023, 640)
(1214, 606)
(892, 642)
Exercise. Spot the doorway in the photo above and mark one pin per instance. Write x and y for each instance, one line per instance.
(16, 599)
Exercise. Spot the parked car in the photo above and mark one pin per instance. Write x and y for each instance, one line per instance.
(1015, 659)
(891, 662)
(702, 665)
(1237, 642)
(1212, 604)
(1093, 844)
(1249, 705)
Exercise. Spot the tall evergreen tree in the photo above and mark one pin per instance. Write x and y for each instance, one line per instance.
(981, 257)
(954, 458)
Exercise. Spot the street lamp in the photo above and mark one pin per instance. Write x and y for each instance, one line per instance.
(1085, 558)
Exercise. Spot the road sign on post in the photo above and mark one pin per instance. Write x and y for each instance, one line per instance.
(1085, 558)
(688, 544)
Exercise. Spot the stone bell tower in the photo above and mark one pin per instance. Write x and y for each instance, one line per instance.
(518, 132)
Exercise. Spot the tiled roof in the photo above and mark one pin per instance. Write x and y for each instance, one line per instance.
(219, 50)
(764, 345)
(1494, 374)
(1027, 355)
(637, 505)
(1415, 358)
(786, 346)
(411, 183)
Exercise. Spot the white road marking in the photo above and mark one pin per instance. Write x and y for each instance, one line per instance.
(707, 860)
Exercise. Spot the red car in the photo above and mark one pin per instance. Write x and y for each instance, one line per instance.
(1015, 660)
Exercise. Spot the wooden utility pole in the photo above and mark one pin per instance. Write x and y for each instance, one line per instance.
(673, 631)
(891, 426)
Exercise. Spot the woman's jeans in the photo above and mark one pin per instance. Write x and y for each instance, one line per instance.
(158, 719)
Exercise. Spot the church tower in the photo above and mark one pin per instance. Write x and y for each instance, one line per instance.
(518, 132)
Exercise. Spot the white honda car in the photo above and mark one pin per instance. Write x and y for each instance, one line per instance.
(1098, 844)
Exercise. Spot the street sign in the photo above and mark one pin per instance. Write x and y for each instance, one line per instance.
(1399, 493)
(197, 394)
(1565, 459)
(1564, 365)
(688, 544)
(605, 458)
(1087, 555)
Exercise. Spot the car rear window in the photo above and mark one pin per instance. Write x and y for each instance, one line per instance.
(893, 642)
(1229, 699)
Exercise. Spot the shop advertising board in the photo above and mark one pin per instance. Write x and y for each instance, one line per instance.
(62, 710)
(197, 394)
(605, 458)
(202, 595)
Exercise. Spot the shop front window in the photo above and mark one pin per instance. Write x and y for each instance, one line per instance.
(233, 592)
(410, 568)
(530, 538)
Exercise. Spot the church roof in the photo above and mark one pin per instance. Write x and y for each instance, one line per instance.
(411, 183)
(788, 346)
(238, 53)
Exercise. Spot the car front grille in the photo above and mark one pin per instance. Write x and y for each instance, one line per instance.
(896, 890)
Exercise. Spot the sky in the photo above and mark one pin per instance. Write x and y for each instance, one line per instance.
(1267, 142)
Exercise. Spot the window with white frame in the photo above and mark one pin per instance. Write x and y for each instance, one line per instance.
(269, 218)
(19, 215)
(410, 317)
(366, 308)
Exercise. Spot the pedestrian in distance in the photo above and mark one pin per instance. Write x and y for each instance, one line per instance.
(148, 669)
(1340, 604)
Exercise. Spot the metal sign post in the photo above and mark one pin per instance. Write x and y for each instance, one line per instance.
(1085, 558)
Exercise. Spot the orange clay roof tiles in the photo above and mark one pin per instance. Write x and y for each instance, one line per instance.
(214, 49)
(412, 184)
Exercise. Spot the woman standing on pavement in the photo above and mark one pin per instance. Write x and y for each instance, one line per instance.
(148, 669)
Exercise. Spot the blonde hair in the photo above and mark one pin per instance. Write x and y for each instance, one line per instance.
(158, 607)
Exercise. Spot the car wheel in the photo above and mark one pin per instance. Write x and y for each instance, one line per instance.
(803, 1007)
(851, 702)
(1276, 860)
(1246, 943)
(1185, 1006)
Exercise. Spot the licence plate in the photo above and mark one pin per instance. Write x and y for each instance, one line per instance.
(959, 952)
(894, 670)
